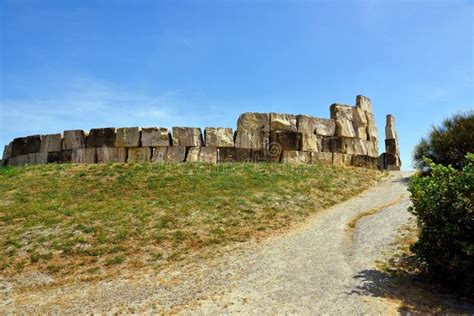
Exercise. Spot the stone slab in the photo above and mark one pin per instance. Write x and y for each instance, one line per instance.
(73, 139)
(265, 155)
(391, 147)
(111, 154)
(252, 139)
(390, 131)
(83, 155)
(138, 154)
(341, 160)
(364, 103)
(296, 157)
(311, 142)
(282, 122)
(26, 145)
(219, 137)
(19, 160)
(313, 125)
(127, 137)
(7, 151)
(324, 158)
(101, 137)
(155, 137)
(187, 136)
(289, 141)
(59, 156)
(251, 121)
(51, 143)
(176, 154)
(232, 154)
(345, 128)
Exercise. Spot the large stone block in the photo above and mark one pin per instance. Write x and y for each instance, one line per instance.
(219, 137)
(346, 145)
(381, 162)
(251, 121)
(364, 103)
(101, 137)
(266, 155)
(312, 125)
(345, 128)
(193, 154)
(232, 154)
(390, 131)
(156, 137)
(138, 154)
(323, 158)
(83, 155)
(208, 154)
(342, 160)
(341, 111)
(127, 137)
(19, 160)
(7, 152)
(59, 156)
(372, 149)
(391, 147)
(282, 122)
(170, 154)
(111, 154)
(187, 136)
(289, 141)
(311, 142)
(296, 157)
(38, 158)
(26, 145)
(359, 116)
(372, 133)
(51, 143)
(360, 123)
(74, 139)
(252, 139)
(360, 161)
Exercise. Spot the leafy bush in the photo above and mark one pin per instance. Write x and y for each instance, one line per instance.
(448, 143)
(443, 205)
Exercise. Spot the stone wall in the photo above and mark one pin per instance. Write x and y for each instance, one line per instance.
(347, 138)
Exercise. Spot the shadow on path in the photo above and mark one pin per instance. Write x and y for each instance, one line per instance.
(412, 295)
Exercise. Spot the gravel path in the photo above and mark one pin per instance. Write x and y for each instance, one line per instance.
(320, 267)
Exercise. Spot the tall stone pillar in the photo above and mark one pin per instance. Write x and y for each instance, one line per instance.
(392, 149)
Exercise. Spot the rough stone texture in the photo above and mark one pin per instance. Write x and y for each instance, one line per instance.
(19, 160)
(360, 123)
(346, 145)
(311, 142)
(341, 159)
(83, 155)
(381, 162)
(295, 157)
(59, 156)
(128, 137)
(187, 136)
(101, 137)
(208, 154)
(341, 111)
(282, 122)
(390, 132)
(372, 132)
(312, 125)
(155, 137)
(73, 139)
(111, 154)
(251, 121)
(7, 152)
(372, 149)
(323, 158)
(231, 154)
(360, 161)
(138, 154)
(345, 128)
(252, 139)
(170, 154)
(26, 145)
(364, 103)
(219, 137)
(38, 158)
(51, 143)
(193, 154)
(290, 141)
(266, 155)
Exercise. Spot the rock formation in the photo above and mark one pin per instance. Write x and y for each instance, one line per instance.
(348, 138)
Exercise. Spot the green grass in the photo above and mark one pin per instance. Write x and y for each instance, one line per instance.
(89, 219)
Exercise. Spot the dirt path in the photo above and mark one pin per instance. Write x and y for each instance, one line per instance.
(321, 267)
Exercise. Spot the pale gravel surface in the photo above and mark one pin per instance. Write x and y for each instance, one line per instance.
(320, 267)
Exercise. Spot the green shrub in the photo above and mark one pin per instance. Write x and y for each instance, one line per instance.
(448, 143)
(443, 205)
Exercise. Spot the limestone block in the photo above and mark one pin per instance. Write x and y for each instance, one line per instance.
(313, 125)
(372, 133)
(38, 158)
(372, 149)
(341, 160)
(381, 162)
(359, 116)
(282, 122)
(251, 121)
(311, 142)
(361, 132)
(364, 103)
(360, 161)
(74, 139)
(266, 155)
(208, 154)
(139, 154)
(187, 136)
(127, 137)
(169, 154)
(373, 163)
(252, 139)
(341, 111)
(289, 141)
(83, 155)
(232, 154)
(101, 137)
(7, 152)
(155, 137)
(327, 143)
(19, 160)
(295, 157)
(51, 143)
(59, 156)
(219, 137)
(347, 145)
(390, 132)
(370, 118)
(26, 145)
(391, 147)
(345, 128)
(324, 158)
(360, 123)
(193, 154)
(111, 154)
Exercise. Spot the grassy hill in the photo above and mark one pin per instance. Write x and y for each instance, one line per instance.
(83, 221)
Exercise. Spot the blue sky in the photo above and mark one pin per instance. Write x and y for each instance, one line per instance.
(83, 64)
